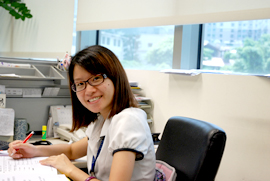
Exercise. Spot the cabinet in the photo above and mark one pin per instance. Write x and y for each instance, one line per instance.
(34, 76)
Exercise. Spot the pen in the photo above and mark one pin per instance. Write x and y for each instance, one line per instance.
(24, 141)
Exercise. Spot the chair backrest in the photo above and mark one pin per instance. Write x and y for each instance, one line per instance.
(193, 147)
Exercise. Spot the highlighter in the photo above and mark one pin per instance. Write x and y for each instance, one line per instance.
(44, 131)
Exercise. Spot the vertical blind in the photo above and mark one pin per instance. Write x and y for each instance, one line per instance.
(47, 35)
(109, 14)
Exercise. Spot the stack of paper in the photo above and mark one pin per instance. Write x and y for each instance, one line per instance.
(27, 169)
(7, 117)
(51, 91)
(133, 83)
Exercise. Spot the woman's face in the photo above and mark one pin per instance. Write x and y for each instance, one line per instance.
(97, 99)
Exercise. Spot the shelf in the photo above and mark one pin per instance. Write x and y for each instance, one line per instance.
(35, 76)
(139, 98)
(35, 72)
(144, 103)
(145, 106)
(14, 96)
(63, 92)
(21, 72)
(32, 76)
(49, 72)
(65, 75)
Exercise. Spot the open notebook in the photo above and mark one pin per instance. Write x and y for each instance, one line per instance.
(27, 169)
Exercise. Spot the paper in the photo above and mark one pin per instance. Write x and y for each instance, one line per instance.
(2, 100)
(5, 64)
(20, 177)
(27, 169)
(9, 75)
(142, 98)
(51, 91)
(2, 89)
(55, 91)
(32, 92)
(192, 72)
(30, 165)
(13, 91)
(62, 114)
(3, 153)
(21, 65)
(7, 122)
(133, 83)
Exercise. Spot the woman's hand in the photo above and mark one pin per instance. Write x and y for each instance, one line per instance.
(61, 163)
(18, 149)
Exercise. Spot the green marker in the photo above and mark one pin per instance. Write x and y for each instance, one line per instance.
(44, 131)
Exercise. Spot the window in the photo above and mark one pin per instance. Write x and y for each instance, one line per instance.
(249, 53)
(233, 47)
(148, 48)
(108, 41)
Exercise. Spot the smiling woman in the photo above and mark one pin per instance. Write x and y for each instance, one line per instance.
(103, 101)
(119, 143)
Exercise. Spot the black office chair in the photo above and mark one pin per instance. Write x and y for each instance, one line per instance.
(193, 147)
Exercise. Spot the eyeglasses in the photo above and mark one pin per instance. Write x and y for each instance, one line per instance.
(93, 81)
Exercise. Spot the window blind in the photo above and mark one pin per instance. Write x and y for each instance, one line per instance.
(106, 14)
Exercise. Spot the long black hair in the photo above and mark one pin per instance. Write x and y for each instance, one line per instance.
(100, 60)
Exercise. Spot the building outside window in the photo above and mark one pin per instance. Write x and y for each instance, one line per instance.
(241, 47)
(249, 53)
(149, 48)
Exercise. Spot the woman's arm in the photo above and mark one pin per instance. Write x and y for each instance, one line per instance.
(121, 170)
(72, 151)
(26, 150)
(62, 160)
(122, 166)
(65, 166)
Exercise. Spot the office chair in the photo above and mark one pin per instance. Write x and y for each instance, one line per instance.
(193, 147)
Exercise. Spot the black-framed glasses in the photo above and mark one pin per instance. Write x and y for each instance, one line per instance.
(93, 81)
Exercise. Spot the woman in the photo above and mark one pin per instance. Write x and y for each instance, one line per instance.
(119, 144)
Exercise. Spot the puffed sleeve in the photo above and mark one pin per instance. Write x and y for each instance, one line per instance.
(128, 132)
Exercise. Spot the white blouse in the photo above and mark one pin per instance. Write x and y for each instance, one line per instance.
(127, 130)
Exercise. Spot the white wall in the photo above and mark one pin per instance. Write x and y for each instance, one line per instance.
(48, 34)
(238, 104)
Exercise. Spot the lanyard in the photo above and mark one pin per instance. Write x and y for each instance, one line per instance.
(95, 159)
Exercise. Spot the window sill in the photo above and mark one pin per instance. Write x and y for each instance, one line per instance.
(194, 72)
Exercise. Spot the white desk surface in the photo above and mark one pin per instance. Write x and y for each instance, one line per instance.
(80, 163)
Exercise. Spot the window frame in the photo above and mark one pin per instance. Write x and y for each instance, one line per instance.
(184, 57)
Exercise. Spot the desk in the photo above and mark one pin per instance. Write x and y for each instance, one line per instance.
(80, 163)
